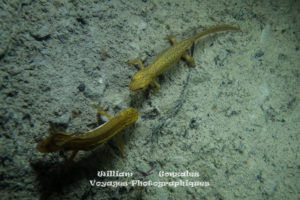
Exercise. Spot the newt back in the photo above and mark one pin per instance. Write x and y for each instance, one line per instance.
(59, 140)
(168, 57)
(173, 54)
(102, 133)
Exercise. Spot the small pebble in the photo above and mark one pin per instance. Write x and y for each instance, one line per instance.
(81, 87)
(259, 54)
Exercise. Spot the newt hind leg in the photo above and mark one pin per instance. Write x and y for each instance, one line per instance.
(189, 59)
(69, 161)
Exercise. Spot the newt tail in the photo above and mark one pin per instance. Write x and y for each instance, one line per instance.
(169, 57)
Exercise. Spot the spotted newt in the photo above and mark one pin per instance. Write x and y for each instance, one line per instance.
(59, 140)
(168, 58)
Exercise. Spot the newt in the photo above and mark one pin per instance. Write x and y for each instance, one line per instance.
(60, 140)
(168, 58)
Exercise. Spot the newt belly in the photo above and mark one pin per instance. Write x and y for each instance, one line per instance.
(59, 140)
(168, 58)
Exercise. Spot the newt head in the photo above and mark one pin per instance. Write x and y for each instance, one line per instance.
(45, 145)
(140, 80)
(131, 115)
(53, 142)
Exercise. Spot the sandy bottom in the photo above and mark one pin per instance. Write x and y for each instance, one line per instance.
(227, 128)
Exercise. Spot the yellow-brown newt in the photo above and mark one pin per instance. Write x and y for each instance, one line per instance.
(168, 57)
(59, 140)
